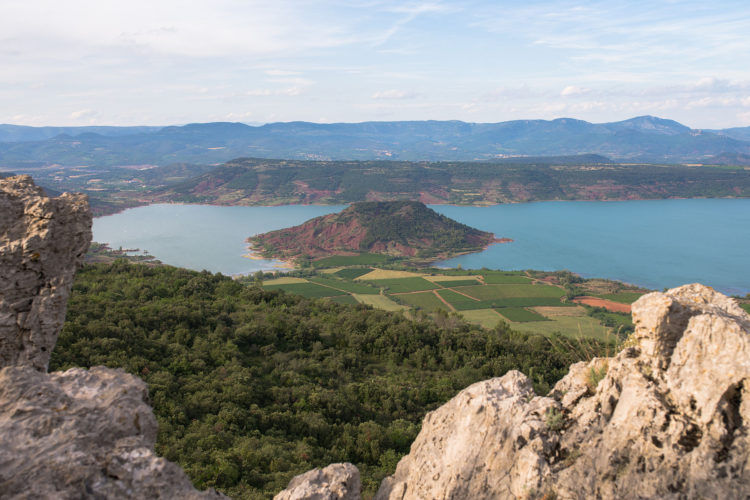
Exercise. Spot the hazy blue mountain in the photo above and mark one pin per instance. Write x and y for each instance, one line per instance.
(739, 133)
(22, 133)
(642, 139)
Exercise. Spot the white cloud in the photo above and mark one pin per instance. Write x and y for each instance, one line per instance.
(394, 94)
(572, 90)
(291, 91)
(83, 114)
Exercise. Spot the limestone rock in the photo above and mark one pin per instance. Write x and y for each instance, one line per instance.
(463, 448)
(74, 434)
(668, 417)
(42, 242)
(335, 482)
(82, 434)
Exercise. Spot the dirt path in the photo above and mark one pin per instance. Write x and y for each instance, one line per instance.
(606, 304)
(465, 295)
(453, 309)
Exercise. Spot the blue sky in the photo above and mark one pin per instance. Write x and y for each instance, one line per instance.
(178, 61)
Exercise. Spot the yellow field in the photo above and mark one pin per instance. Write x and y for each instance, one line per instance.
(284, 281)
(384, 274)
(330, 270)
(553, 312)
(378, 302)
(487, 318)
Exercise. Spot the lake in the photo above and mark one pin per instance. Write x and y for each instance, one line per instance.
(652, 243)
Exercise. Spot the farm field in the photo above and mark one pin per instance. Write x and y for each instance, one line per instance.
(484, 298)
(426, 301)
(402, 285)
(307, 289)
(623, 297)
(455, 282)
(385, 274)
(460, 301)
(350, 273)
(344, 299)
(379, 302)
(492, 292)
(520, 315)
(284, 281)
(345, 286)
(505, 279)
(364, 259)
(571, 326)
(487, 318)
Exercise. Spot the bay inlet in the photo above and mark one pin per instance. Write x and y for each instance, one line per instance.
(651, 243)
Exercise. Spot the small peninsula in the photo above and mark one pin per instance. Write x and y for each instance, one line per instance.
(403, 229)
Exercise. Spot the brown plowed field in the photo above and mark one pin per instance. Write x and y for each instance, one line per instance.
(606, 304)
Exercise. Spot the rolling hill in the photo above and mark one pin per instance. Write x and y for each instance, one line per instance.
(256, 181)
(397, 228)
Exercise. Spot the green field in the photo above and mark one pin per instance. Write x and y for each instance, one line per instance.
(461, 302)
(506, 297)
(505, 279)
(344, 299)
(284, 280)
(570, 326)
(401, 285)
(623, 297)
(309, 290)
(492, 292)
(425, 301)
(346, 286)
(746, 307)
(351, 273)
(453, 283)
(379, 302)
(487, 318)
(521, 315)
(529, 302)
(364, 259)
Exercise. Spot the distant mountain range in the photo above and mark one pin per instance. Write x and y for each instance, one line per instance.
(641, 139)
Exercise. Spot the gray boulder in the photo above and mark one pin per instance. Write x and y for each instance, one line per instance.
(335, 482)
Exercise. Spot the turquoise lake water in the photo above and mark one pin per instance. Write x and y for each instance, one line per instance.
(653, 243)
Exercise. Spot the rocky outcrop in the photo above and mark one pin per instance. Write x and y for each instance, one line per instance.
(42, 241)
(78, 433)
(667, 417)
(82, 434)
(335, 482)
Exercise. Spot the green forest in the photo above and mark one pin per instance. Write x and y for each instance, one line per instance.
(251, 386)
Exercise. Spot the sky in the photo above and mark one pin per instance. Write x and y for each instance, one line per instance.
(159, 62)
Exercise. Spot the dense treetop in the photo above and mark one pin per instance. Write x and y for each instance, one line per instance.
(251, 387)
